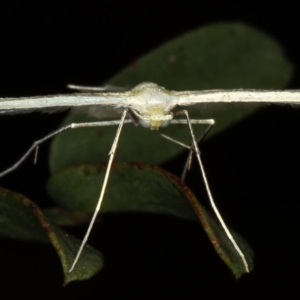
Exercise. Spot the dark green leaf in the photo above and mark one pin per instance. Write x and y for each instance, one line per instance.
(225, 55)
(142, 188)
(22, 219)
(222, 55)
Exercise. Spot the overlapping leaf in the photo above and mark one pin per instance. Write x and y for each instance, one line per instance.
(21, 219)
(143, 188)
(225, 55)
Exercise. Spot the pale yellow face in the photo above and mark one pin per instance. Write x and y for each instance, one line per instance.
(154, 117)
(151, 104)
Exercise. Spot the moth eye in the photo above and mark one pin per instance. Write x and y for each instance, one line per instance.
(145, 123)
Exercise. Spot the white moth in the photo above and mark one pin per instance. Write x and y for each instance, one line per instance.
(146, 104)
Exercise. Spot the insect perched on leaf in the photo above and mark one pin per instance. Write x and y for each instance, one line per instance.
(150, 106)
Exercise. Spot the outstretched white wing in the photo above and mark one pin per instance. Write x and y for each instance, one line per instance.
(55, 103)
(239, 96)
(143, 96)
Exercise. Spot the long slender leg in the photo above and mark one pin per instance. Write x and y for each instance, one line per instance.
(188, 162)
(105, 88)
(215, 209)
(36, 144)
(97, 209)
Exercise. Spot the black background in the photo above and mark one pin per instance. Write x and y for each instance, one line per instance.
(252, 167)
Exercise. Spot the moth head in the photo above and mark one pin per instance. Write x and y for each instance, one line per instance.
(151, 105)
(153, 118)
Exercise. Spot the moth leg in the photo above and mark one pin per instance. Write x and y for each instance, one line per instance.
(97, 209)
(210, 197)
(37, 143)
(188, 163)
(105, 88)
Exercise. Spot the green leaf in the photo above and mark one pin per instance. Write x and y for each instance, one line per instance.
(225, 55)
(21, 219)
(222, 55)
(142, 188)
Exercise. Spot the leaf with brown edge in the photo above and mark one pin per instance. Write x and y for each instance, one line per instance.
(143, 188)
(22, 219)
